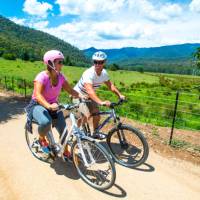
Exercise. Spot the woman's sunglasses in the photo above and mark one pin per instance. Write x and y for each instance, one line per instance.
(60, 62)
(98, 62)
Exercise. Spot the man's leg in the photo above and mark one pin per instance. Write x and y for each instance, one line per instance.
(95, 120)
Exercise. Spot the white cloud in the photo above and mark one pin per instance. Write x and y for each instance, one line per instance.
(33, 7)
(195, 5)
(40, 25)
(114, 34)
(123, 23)
(87, 7)
(21, 21)
(157, 13)
(35, 23)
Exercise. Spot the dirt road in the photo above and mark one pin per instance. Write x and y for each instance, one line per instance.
(26, 178)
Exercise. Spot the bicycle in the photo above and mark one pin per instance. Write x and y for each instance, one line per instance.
(93, 163)
(127, 144)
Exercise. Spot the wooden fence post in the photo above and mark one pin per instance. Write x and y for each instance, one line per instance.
(5, 82)
(174, 117)
(24, 88)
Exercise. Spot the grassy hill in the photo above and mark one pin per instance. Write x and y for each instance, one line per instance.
(28, 70)
(30, 44)
(151, 96)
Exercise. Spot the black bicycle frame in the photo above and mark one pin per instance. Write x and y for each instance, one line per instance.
(111, 115)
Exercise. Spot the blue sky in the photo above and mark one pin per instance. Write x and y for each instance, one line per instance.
(110, 23)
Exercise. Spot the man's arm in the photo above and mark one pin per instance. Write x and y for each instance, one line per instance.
(92, 94)
(112, 87)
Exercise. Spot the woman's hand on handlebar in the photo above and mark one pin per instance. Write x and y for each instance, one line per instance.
(53, 107)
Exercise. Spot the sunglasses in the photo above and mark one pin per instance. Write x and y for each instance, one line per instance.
(98, 62)
(60, 62)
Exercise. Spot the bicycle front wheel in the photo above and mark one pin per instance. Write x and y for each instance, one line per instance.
(96, 168)
(34, 146)
(128, 146)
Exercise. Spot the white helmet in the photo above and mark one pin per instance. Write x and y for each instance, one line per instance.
(99, 55)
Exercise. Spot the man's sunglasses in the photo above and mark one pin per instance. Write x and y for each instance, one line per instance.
(98, 62)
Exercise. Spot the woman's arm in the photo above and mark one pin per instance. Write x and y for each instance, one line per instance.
(67, 87)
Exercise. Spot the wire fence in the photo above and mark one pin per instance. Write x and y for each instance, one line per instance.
(175, 109)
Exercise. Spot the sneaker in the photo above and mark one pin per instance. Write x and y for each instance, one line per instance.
(44, 145)
(99, 136)
(67, 155)
(55, 148)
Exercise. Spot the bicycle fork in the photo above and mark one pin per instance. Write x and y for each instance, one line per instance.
(88, 149)
(122, 139)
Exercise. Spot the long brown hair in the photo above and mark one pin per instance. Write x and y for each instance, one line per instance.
(53, 79)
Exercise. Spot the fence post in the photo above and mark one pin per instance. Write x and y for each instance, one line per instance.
(174, 117)
(24, 88)
(5, 83)
(12, 83)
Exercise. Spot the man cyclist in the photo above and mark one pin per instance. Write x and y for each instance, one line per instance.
(92, 79)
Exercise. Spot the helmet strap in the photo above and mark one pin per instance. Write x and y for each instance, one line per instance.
(52, 66)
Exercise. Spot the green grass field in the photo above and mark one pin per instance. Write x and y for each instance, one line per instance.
(29, 70)
(151, 97)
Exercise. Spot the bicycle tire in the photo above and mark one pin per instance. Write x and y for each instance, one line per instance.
(94, 175)
(125, 153)
(35, 150)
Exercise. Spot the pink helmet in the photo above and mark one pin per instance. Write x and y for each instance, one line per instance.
(52, 55)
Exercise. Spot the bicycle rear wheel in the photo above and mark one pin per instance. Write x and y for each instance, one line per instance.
(128, 146)
(100, 173)
(34, 146)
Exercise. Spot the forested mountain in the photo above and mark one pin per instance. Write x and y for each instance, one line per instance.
(169, 59)
(29, 44)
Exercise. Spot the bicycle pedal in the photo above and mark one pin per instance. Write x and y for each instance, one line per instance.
(99, 136)
(68, 159)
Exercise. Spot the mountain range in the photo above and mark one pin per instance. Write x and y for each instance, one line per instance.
(174, 52)
(170, 59)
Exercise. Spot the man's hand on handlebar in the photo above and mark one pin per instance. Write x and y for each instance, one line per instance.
(122, 97)
(105, 103)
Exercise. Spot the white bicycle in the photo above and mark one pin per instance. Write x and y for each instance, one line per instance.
(92, 161)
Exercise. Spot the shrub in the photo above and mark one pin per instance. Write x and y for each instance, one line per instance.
(9, 56)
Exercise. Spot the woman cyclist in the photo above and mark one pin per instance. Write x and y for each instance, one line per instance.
(44, 102)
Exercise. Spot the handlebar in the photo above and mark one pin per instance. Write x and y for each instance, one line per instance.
(74, 106)
(120, 102)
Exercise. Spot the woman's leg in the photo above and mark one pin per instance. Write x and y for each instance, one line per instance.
(41, 115)
(60, 123)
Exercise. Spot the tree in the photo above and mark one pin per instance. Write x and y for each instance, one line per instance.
(114, 67)
(197, 57)
(25, 56)
(9, 56)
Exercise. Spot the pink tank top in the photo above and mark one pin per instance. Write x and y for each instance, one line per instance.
(50, 93)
